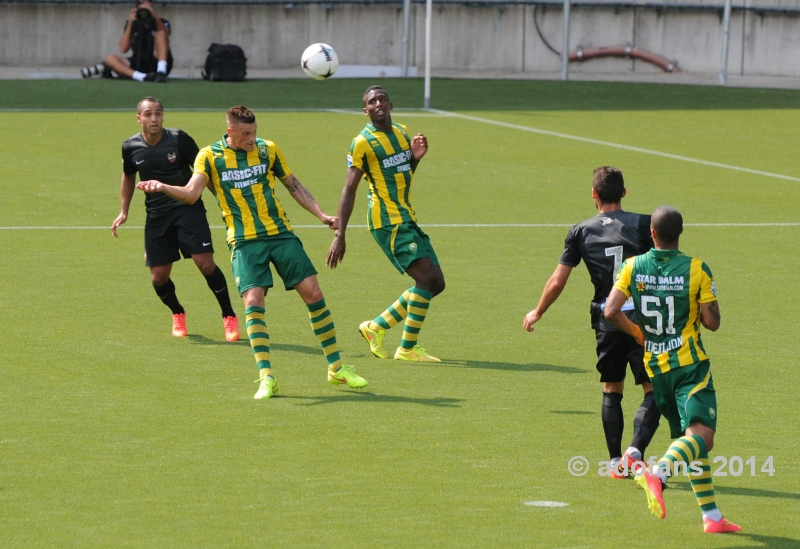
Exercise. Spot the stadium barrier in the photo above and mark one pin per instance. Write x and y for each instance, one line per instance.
(486, 36)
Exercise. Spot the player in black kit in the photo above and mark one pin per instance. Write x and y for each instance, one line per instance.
(172, 227)
(603, 243)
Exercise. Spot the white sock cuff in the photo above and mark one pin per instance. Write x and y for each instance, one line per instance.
(162, 67)
(633, 452)
(138, 76)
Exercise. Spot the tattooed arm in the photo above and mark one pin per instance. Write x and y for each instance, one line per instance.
(709, 315)
(304, 198)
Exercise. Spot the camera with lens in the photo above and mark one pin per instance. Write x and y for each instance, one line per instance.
(143, 15)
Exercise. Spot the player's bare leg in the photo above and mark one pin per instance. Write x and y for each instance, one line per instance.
(205, 262)
(309, 291)
(426, 275)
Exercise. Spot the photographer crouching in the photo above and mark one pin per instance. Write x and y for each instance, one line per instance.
(146, 36)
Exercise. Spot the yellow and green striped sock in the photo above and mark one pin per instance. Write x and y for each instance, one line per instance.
(688, 449)
(258, 335)
(418, 304)
(396, 313)
(703, 483)
(322, 324)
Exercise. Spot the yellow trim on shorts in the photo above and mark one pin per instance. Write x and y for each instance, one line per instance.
(702, 385)
(394, 235)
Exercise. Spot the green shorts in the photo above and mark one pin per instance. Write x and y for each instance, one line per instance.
(250, 260)
(686, 395)
(404, 243)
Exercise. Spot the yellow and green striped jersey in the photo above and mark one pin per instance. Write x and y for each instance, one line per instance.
(244, 184)
(385, 159)
(667, 287)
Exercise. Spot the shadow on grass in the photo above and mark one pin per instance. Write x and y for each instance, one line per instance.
(359, 396)
(486, 365)
(769, 541)
(304, 349)
(572, 412)
(514, 367)
(203, 340)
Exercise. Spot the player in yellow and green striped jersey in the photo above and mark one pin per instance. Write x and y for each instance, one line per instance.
(673, 294)
(385, 155)
(241, 171)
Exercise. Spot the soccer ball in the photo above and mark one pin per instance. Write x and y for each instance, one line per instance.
(319, 61)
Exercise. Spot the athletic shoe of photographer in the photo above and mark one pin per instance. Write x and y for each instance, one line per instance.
(146, 37)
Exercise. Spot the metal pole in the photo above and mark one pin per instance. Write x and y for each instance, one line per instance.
(565, 43)
(406, 15)
(726, 30)
(428, 14)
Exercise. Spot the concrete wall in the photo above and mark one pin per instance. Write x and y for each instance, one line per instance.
(476, 38)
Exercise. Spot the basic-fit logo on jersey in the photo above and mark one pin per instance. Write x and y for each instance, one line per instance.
(241, 178)
(397, 160)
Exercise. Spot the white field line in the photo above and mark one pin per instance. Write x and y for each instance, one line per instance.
(438, 113)
(614, 145)
(443, 225)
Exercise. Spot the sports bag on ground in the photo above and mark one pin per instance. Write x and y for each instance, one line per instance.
(225, 62)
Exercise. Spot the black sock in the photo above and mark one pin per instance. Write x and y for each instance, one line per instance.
(613, 423)
(216, 281)
(167, 295)
(645, 423)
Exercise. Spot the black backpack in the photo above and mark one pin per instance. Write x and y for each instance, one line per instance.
(225, 62)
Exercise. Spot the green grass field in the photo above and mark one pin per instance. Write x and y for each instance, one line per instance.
(115, 434)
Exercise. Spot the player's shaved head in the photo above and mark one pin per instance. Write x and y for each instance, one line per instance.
(240, 115)
(149, 99)
(667, 222)
(372, 89)
(608, 184)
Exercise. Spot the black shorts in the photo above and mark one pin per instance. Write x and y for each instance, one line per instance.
(615, 350)
(149, 65)
(183, 229)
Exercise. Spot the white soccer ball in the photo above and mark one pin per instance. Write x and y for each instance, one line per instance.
(319, 61)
